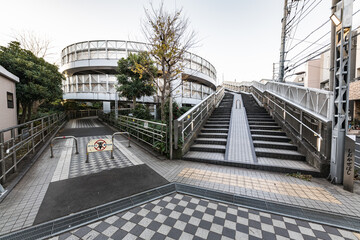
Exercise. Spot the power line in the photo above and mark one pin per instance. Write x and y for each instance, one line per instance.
(309, 35)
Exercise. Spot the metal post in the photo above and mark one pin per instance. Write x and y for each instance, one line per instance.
(282, 49)
(14, 150)
(42, 130)
(2, 157)
(32, 136)
(342, 65)
(332, 48)
(116, 106)
(170, 128)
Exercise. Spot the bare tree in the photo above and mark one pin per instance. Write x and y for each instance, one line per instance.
(29, 40)
(169, 40)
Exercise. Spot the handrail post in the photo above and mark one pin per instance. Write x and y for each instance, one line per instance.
(42, 130)
(32, 136)
(112, 140)
(2, 158)
(63, 137)
(14, 150)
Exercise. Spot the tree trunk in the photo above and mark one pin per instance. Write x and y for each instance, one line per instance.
(23, 114)
(162, 107)
(29, 111)
(134, 102)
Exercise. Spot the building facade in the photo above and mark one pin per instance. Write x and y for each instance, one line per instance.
(7, 100)
(90, 71)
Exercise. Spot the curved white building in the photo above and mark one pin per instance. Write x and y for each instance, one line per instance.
(90, 70)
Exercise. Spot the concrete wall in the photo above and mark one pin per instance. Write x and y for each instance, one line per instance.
(312, 75)
(325, 66)
(8, 115)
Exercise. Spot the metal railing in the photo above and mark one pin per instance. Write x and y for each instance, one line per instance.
(116, 49)
(187, 124)
(306, 111)
(72, 114)
(150, 132)
(18, 141)
(316, 101)
(63, 137)
(113, 138)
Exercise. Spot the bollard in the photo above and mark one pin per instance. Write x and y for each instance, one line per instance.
(112, 139)
(64, 137)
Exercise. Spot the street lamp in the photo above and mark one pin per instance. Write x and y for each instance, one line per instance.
(335, 19)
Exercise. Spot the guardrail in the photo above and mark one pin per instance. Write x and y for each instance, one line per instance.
(316, 101)
(306, 111)
(150, 132)
(187, 124)
(72, 114)
(112, 140)
(63, 137)
(18, 141)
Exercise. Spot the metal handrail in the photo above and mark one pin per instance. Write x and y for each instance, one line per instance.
(315, 133)
(314, 101)
(63, 137)
(16, 148)
(192, 116)
(112, 140)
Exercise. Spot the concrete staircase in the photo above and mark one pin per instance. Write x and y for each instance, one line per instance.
(211, 141)
(272, 146)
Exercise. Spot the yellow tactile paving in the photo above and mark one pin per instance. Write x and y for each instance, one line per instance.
(284, 188)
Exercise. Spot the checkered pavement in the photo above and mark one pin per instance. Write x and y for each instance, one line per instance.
(98, 161)
(183, 217)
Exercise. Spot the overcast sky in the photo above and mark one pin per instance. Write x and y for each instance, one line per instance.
(241, 38)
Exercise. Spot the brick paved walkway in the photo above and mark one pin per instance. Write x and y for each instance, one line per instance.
(183, 217)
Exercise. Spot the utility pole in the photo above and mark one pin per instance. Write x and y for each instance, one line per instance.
(342, 65)
(332, 48)
(282, 48)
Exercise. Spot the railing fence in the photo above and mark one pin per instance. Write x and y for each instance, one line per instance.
(18, 141)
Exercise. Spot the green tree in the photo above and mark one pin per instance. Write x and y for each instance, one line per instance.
(169, 40)
(133, 84)
(40, 81)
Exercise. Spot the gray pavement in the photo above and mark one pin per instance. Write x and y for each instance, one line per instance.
(20, 207)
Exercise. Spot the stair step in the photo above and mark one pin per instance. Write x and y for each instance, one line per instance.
(216, 126)
(264, 127)
(279, 154)
(270, 138)
(261, 119)
(277, 145)
(263, 123)
(208, 148)
(218, 122)
(214, 141)
(288, 166)
(215, 130)
(213, 135)
(195, 155)
(267, 132)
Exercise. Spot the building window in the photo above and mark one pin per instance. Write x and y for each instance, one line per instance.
(10, 100)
